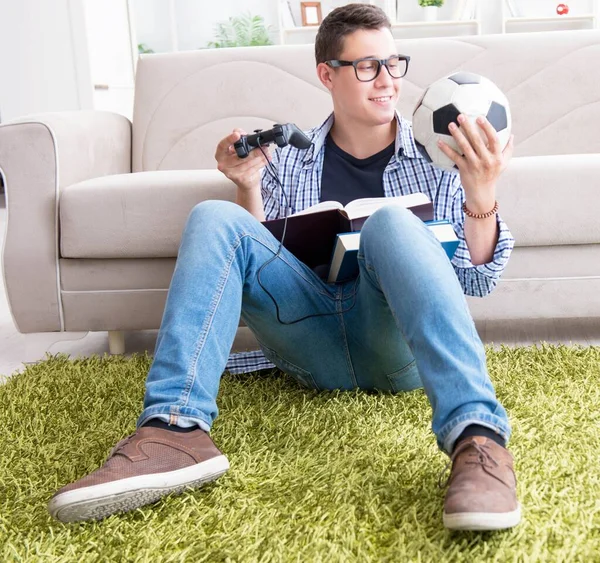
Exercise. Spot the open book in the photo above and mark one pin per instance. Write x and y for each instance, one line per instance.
(363, 208)
(311, 234)
(344, 260)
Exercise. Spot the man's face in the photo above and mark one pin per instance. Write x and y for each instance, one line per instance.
(370, 103)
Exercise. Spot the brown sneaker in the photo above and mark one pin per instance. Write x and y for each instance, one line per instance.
(482, 493)
(141, 469)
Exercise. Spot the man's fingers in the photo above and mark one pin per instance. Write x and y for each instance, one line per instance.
(255, 159)
(258, 153)
(451, 153)
(226, 144)
(462, 141)
(229, 140)
(254, 154)
(490, 133)
(472, 136)
(245, 171)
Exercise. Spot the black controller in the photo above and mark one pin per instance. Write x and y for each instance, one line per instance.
(281, 135)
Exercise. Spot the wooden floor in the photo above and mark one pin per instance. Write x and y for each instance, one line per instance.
(585, 332)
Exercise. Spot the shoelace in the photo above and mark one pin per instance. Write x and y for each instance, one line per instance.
(483, 457)
(120, 445)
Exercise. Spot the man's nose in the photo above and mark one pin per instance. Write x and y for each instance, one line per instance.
(383, 78)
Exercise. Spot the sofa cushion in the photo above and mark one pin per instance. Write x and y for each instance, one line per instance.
(542, 199)
(138, 215)
(548, 200)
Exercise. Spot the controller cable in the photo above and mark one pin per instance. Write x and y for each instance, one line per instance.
(273, 173)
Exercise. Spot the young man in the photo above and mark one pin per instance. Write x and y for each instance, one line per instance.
(404, 323)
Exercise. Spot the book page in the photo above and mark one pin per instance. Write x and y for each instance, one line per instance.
(444, 231)
(368, 205)
(323, 206)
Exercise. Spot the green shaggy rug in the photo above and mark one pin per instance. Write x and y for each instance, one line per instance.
(315, 477)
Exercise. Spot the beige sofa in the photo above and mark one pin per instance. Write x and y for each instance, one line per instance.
(96, 204)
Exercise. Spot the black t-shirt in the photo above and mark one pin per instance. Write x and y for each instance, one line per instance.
(346, 178)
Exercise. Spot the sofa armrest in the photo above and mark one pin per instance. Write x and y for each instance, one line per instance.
(39, 155)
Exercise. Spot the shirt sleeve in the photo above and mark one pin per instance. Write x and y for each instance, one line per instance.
(480, 280)
(271, 190)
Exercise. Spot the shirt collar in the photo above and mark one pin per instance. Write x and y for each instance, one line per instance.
(404, 147)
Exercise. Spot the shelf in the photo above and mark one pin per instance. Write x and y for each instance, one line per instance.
(436, 23)
(587, 18)
(440, 28)
(299, 35)
(551, 18)
(556, 23)
(404, 30)
(416, 24)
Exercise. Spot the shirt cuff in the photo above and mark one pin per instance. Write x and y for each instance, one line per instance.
(502, 252)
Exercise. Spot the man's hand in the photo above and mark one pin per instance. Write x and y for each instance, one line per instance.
(244, 172)
(481, 165)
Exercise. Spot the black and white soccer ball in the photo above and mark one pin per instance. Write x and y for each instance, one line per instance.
(463, 92)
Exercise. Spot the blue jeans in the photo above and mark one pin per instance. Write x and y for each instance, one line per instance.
(403, 324)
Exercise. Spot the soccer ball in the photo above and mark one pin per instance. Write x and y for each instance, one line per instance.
(463, 92)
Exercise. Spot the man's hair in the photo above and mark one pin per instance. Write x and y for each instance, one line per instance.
(343, 21)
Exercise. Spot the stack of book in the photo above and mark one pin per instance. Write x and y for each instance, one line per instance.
(328, 234)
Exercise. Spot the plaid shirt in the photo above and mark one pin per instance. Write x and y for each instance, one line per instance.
(407, 172)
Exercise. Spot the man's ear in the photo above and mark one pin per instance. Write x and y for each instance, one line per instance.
(324, 73)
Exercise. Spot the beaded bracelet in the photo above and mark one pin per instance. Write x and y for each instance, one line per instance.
(480, 215)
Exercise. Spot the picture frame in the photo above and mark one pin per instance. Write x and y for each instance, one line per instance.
(311, 13)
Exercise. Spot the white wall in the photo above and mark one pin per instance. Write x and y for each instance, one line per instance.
(195, 20)
(43, 58)
(152, 24)
(111, 54)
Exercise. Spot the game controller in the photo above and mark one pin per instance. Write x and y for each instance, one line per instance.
(281, 135)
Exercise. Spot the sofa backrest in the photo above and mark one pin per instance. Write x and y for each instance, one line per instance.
(186, 102)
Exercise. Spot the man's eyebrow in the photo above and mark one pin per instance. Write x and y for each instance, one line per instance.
(376, 57)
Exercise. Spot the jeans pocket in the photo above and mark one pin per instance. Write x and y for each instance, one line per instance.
(406, 379)
(302, 376)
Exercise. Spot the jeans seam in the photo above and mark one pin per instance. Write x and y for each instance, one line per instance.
(150, 413)
(191, 372)
(292, 365)
(346, 347)
(191, 375)
(374, 273)
(400, 372)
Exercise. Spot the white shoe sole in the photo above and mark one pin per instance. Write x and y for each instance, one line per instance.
(480, 521)
(99, 501)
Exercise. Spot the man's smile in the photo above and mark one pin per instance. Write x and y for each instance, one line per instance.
(381, 99)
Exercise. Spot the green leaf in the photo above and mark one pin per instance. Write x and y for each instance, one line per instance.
(241, 31)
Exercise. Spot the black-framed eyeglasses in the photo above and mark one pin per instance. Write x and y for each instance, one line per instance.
(368, 68)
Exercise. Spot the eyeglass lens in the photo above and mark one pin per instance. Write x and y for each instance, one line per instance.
(368, 70)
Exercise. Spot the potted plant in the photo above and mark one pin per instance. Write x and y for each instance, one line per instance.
(244, 30)
(143, 49)
(431, 8)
